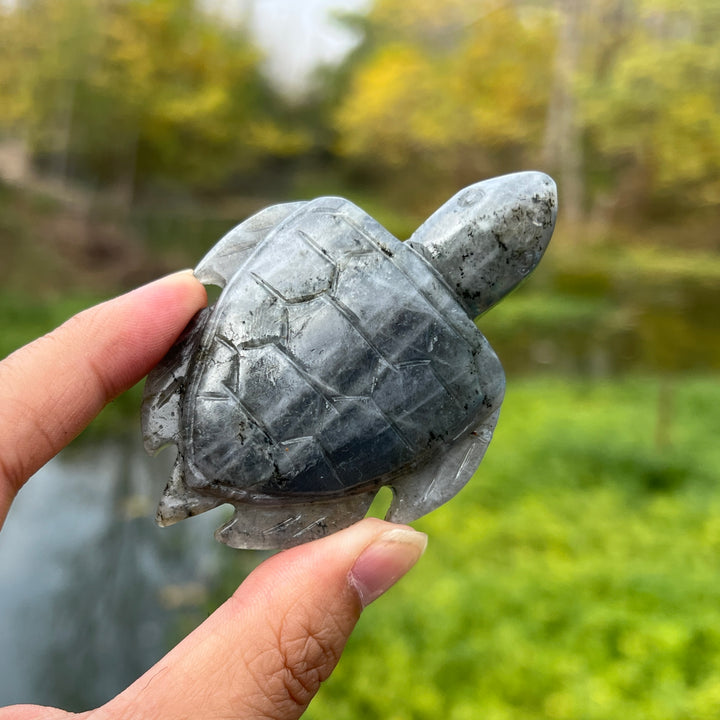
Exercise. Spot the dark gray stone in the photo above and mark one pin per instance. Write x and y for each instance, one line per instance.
(339, 359)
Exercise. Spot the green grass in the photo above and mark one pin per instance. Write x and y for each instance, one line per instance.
(577, 576)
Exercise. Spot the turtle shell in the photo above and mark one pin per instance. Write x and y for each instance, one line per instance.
(335, 360)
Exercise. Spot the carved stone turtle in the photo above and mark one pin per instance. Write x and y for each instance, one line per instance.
(338, 360)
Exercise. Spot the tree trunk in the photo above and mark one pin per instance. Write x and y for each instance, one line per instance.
(562, 150)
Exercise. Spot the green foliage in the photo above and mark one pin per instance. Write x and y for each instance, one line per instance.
(655, 109)
(129, 91)
(617, 99)
(445, 89)
(25, 319)
(574, 577)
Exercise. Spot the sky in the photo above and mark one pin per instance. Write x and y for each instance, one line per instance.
(297, 35)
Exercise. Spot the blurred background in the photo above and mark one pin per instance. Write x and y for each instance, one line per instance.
(577, 576)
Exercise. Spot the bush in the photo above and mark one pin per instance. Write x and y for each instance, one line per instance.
(575, 576)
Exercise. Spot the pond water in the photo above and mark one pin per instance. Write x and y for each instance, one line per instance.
(605, 325)
(92, 592)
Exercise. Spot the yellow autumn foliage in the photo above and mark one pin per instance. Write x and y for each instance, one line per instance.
(396, 104)
(133, 89)
(455, 85)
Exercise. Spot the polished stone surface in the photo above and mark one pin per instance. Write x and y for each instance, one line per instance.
(339, 359)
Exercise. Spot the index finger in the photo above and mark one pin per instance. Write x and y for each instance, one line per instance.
(53, 387)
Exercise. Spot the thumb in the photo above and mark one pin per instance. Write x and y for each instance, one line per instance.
(265, 652)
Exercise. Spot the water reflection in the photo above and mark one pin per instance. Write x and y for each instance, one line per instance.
(630, 324)
(93, 592)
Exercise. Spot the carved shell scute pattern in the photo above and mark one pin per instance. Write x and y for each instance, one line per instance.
(328, 352)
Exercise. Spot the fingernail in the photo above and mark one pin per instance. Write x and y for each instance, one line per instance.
(385, 561)
(171, 276)
(179, 274)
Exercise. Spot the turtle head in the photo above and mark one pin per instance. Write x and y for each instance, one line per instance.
(489, 236)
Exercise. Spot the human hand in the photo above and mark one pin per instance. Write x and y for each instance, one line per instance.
(264, 653)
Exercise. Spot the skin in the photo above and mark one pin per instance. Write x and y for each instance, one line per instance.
(264, 652)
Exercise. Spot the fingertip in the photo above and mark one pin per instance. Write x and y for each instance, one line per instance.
(184, 290)
(267, 650)
(149, 319)
(368, 557)
(55, 385)
(390, 556)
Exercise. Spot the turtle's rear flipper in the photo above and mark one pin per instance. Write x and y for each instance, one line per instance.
(178, 501)
(420, 492)
(231, 251)
(260, 527)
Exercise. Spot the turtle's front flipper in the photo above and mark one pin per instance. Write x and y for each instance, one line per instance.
(417, 493)
(162, 411)
(257, 527)
(165, 388)
(231, 251)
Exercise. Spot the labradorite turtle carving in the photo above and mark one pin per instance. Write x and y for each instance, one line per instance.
(339, 359)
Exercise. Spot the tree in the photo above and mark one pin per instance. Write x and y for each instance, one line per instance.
(562, 147)
(652, 118)
(138, 91)
(451, 89)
